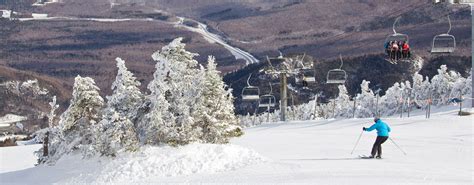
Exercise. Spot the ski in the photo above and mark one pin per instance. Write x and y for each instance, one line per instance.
(367, 157)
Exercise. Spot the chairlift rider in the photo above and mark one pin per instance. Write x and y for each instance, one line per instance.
(303, 78)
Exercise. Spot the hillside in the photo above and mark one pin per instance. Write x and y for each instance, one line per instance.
(28, 94)
(326, 28)
(80, 44)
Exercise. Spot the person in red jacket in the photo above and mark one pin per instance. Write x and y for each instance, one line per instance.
(406, 50)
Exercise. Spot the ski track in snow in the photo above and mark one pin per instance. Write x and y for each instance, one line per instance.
(304, 152)
(214, 38)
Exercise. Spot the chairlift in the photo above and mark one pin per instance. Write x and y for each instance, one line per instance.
(267, 100)
(250, 93)
(444, 43)
(305, 73)
(337, 76)
(397, 36)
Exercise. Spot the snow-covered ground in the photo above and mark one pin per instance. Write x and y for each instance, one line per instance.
(439, 151)
(16, 158)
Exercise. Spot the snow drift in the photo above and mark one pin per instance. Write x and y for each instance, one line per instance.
(168, 161)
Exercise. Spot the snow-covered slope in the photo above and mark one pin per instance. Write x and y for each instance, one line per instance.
(312, 152)
(151, 164)
(16, 158)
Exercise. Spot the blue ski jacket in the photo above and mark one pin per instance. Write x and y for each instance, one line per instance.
(382, 128)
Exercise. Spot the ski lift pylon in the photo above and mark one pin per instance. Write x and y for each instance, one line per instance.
(250, 93)
(444, 43)
(337, 76)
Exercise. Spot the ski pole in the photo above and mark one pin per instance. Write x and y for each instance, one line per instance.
(357, 141)
(397, 146)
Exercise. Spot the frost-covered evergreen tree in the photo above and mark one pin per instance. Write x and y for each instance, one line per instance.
(441, 85)
(365, 101)
(467, 91)
(158, 124)
(344, 104)
(391, 102)
(175, 90)
(44, 135)
(117, 129)
(116, 133)
(421, 90)
(458, 88)
(126, 97)
(77, 123)
(215, 116)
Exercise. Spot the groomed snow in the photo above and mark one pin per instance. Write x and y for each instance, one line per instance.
(307, 152)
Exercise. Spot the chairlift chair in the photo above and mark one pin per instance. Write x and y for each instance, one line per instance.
(444, 43)
(250, 93)
(305, 73)
(397, 36)
(267, 100)
(337, 76)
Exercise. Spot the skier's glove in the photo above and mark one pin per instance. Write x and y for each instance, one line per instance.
(364, 129)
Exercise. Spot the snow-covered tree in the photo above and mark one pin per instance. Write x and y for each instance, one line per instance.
(52, 113)
(175, 90)
(126, 97)
(117, 129)
(43, 135)
(391, 102)
(441, 85)
(459, 86)
(215, 116)
(365, 101)
(421, 90)
(344, 104)
(467, 91)
(157, 126)
(117, 133)
(76, 123)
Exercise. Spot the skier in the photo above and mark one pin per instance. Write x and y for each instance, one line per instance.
(382, 135)
(305, 82)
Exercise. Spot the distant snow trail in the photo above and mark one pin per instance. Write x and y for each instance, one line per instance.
(214, 38)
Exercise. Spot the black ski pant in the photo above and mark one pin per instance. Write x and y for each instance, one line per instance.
(377, 148)
(305, 83)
